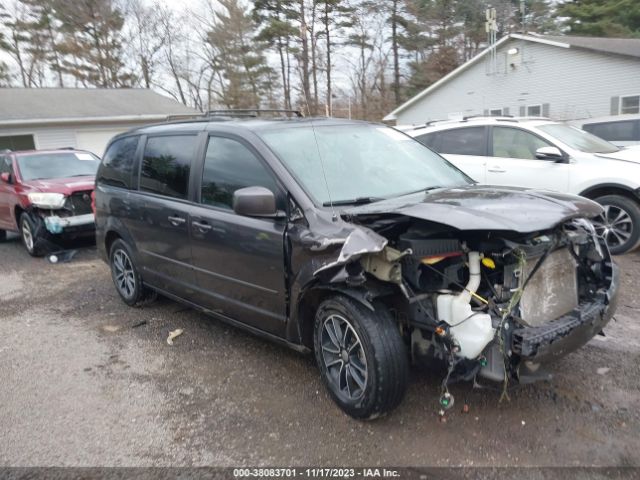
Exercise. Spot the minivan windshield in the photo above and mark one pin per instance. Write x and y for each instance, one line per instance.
(41, 166)
(578, 139)
(361, 162)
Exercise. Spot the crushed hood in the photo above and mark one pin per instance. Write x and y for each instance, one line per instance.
(482, 207)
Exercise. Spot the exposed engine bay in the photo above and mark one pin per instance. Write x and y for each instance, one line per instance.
(487, 304)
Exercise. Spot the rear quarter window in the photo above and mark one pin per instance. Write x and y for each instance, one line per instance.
(118, 163)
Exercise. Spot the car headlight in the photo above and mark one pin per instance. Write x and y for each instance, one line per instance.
(47, 200)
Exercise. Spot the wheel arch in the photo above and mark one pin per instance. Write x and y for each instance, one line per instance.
(110, 237)
(17, 211)
(610, 189)
(301, 328)
(311, 299)
(109, 232)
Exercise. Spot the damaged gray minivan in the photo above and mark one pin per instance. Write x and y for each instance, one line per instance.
(353, 241)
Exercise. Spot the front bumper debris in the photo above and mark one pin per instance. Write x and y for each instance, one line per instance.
(569, 332)
(56, 225)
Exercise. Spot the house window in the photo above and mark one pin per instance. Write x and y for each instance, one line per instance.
(17, 142)
(630, 104)
(534, 110)
(495, 112)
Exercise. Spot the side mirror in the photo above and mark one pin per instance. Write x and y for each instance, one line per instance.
(549, 153)
(254, 202)
(5, 177)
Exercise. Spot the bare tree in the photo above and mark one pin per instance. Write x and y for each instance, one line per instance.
(146, 39)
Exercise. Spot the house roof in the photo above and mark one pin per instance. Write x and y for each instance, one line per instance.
(616, 46)
(65, 105)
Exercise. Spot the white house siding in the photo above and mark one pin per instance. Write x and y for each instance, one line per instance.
(55, 138)
(574, 83)
(93, 138)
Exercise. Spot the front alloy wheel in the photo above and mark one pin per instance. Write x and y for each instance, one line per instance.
(30, 234)
(344, 357)
(619, 223)
(362, 358)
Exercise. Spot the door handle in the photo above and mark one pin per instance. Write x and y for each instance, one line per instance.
(175, 220)
(203, 227)
(496, 169)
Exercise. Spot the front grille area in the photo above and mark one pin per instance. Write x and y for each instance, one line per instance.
(552, 291)
(80, 203)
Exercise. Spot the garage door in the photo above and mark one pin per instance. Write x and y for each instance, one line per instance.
(95, 141)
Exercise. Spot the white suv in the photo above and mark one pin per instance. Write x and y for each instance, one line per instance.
(542, 154)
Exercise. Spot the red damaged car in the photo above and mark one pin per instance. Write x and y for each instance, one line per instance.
(46, 196)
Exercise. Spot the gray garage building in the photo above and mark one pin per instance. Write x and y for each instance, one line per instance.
(562, 77)
(82, 118)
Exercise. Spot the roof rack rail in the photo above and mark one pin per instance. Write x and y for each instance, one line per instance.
(251, 112)
(470, 117)
(184, 116)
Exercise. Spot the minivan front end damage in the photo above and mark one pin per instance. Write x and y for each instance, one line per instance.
(486, 303)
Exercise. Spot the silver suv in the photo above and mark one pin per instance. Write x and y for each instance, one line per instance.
(543, 154)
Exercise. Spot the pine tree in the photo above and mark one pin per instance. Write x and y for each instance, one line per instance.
(92, 43)
(240, 59)
(16, 42)
(334, 18)
(274, 19)
(604, 18)
(42, 29)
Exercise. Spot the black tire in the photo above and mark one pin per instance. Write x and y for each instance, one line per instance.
(3, 235)
(620, 224)
(32, 234)
(126, 276)
(384, 357)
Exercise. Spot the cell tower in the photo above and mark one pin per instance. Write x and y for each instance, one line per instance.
(491, 27)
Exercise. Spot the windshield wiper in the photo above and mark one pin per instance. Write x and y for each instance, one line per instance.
(353, 201)
(435, 187)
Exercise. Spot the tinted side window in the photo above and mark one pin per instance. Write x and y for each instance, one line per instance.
(516, 143)
(118, 161)
(621, 131)
(5, 164)
(229, 166)
(428, 139)
(166, 164)
(462, 141)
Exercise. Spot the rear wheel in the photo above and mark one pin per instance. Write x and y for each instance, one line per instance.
(361, 357)
(3, 235)
(31, 234)
(619, 224)
(126, 277)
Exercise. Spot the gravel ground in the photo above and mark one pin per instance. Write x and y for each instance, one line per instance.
(84, 384)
